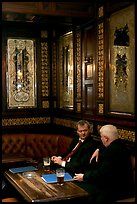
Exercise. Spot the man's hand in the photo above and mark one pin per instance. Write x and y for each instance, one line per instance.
(56, 160)
(78, 177)
(95, 154)
(53, 158)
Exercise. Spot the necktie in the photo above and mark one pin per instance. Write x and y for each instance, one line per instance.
(73, 151)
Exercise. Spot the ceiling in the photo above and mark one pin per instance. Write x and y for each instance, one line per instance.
(69, 13)
(31, 18)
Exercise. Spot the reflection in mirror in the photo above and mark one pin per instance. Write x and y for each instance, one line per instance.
(66, 70)
(21, 73)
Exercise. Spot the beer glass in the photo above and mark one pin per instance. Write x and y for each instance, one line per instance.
(46, 163)
(60, 173)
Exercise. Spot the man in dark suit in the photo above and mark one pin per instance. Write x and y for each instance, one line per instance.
(112, 179)
(77, 158)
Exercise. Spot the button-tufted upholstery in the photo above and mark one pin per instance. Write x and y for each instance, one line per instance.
(7, 200)
(35, 146)
(13, 143)
(41, 145)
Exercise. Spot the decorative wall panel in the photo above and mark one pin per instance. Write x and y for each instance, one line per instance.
(100, 104)
(122, 61)
(54, 70)
(68, 123)
(44, 63)
(21, 73)
(78, 72)
(25, 121)
(66, 71)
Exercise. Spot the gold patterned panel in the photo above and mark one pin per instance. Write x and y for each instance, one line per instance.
(78, 71)
(101, 60)
(127, 135)
(54, 70)
(100, 108)
(78, 107)
(64, 122)
(25, 121)
(67, 123)
(44, 64)
(100, 11)
(44, 34)
(45, 104)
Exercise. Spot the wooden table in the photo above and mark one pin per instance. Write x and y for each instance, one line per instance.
(34, 189)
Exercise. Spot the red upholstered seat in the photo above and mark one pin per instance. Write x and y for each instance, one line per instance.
(35, 146)
(6, 200)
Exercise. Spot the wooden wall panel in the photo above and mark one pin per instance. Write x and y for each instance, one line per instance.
(88, 69)
(89, 99)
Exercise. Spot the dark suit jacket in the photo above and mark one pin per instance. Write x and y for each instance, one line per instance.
(80, 159)
(112, 179)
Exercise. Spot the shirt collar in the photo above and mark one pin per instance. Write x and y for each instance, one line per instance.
(81, 140)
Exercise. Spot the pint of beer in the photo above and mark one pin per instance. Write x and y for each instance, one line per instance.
(60, 172)
(46, 162)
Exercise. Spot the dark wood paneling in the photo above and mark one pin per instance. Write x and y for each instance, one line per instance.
(88, 69)
(83, 9)
(51, 13)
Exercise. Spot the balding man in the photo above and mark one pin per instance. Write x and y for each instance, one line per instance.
(112, 179)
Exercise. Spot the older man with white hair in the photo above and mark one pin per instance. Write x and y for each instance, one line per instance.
(112, 179)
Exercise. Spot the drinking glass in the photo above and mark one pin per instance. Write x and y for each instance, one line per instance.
(46, 163)
(60, 173)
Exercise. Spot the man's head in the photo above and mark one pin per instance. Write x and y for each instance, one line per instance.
(83, 129)
(108, 134)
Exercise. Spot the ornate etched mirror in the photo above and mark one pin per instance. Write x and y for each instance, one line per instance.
(66, 70)
(21, 73)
